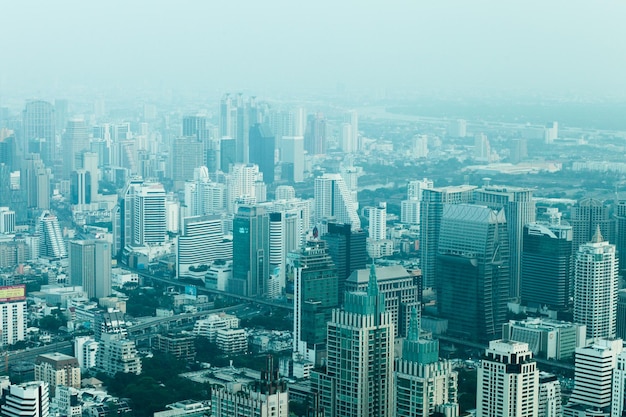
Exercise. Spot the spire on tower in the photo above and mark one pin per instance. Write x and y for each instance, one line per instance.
(414, 326)
(597, 237)
(372, 285)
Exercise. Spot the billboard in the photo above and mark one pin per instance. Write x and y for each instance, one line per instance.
(12, 293)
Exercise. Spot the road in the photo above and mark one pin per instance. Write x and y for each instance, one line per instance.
(29, 355)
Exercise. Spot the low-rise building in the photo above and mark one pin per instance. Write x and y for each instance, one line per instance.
(208, 327)
(57, 369)
(187, 408)
(550, 339)
(231, 341)
(180, 345)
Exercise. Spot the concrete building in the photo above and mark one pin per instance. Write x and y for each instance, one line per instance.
(149, 225)
(90, 266)
(549, 339)
(30, 399)
(178, 345)
(51, 243)
(85, 351)
(57, 369)
(508, 381)
(116, 354)
(13, 313)
(334, 201)
(586, 216)
(251, 266)
(201, 243)
(595, 287)
(550, 402)
(618, 400)
(209, 327)
(347, 248)
(232, 341)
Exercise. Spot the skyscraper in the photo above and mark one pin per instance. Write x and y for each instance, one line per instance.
(262, 148)
(149, 214)
(508, 381)
(472, 270)
(315, 296)
(250, 252)
(35, 182)
(315, 134)
(292, 153)
(123, 216)
(358, 381)
(333, 200)
(187, 155)
(13, 314)
(620, 238)
(80, 187)
(39, 134)
(201, 243)
(51, 243)
(431, 211)
(378, 222)
(519, 209)
(424, 384)
(347, 247)
(595, 287)
(75, 142)
(195, 126)
(547, 266)
(90, 266)
(586, 215)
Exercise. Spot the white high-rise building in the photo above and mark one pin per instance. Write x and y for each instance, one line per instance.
(420, 146)
(201, 243)
(149, 214)
(593, 378)
(13, 314)
(410, 208)
(51, 243)
(245, 184)
(333, 200)
(292, 152)
(85, 349)
(595, 287)
(7, 220)
(508, 381)
(618, 405)
(31, 399)
(378, 222)
(550, 403)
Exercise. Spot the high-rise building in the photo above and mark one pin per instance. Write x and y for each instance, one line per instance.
(315, 134)
(201, 243)
(80, 187)
(7, 220)
(508, 381)
(618, 397)
(13, 314)
(51, 243)
(75, 142)
(268, 397)
(90, 266)
(262, 150)
(457, 128)
(39, 133)
(117, 354)
(333, 200)
(547, 255)
(586, 216)
(595, 287)
(244, 184)
(347, 248)
(431, 212)
(195, 126)
(593, 378)
(187, 155)
(149, 214)
(358, 381)
(621, 314)
(250, 252)
(315, 296)
(57, 369)
(35, 182)
(123, 216)
(549, 402)
(90, 164)
(350, 132)
(292, 152)
(620, 238)
(519, 210)
(30, 399)
(400, 288)
(424, 384)
(473, 270)
(378, 222)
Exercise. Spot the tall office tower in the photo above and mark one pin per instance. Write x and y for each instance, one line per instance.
(90, 164)
(350, 132)
(621, 314)
(281, 123)
(75, 142)
(457, 128)
(187, 155)
(410, 208)
(227, 122)
(200, 243)
(585, 218)
(618, 403)
(419, 147)
(30, 399)
(508, 381)
(547, 266)
(315, 134)
(262, 149)
(250, 252)
(51, 244)
(242, 184)
(228, 153)
(593, 378)
(378, 222)
(620, 238)
(292, 152)
(13, 313)
(61, 112)
(595, 287)
(149, 214)
(400, 288)
(90, 266)
(7, 220)
(482, 148)
(315, 296)
(57, 369)
(358, 381)
(334, 201)
(39, 133)
(431, 211)
(196, 126)
(35, 182)
(424, 384)
(123, 214)
(277, 254)
(268, 397)
(80, 187)
(519, 209)
(550, 403)
(473, 271)
(348, 248)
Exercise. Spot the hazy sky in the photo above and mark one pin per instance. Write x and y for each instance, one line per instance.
(551, 46)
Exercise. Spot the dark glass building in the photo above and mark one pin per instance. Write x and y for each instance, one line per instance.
(250, 252)
(347, 248)
(262, 147)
